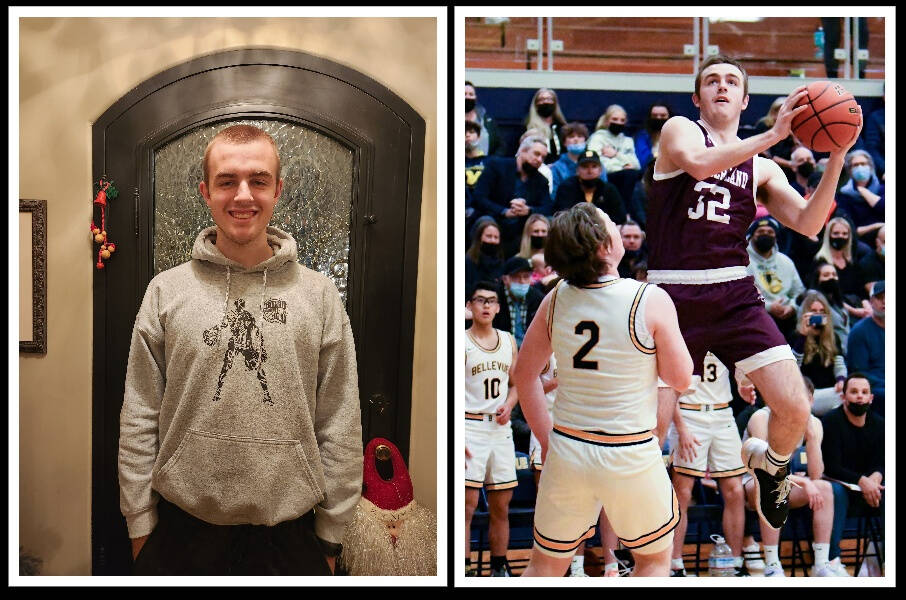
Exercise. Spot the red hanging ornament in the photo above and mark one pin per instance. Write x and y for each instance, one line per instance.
(105, 191)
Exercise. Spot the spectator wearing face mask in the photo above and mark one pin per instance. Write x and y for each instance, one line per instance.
(519, 301)
(617, 150)
(586, 186)
(775, 274)
(862, 197)
(802, 162)
(818, 351)
(865, 348)
(837, 248)
(575, 136)
(853, 451)
(484, 258)
(872, 265)
(636, 251)
(489, 139)
(545, 116)
(824, 279)
(647, 141)
(533, 235)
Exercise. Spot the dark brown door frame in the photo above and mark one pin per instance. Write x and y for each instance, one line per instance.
(387, 139)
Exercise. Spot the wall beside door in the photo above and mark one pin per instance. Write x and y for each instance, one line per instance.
(71, 71)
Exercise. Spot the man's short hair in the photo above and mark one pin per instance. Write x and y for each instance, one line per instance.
(855, 375)
(473, 126)
(571, 248)
(719, 59)
(239, 134)
(529, 142)
(574, 128)
(489, 286)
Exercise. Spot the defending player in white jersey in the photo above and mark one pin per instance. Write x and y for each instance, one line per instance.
(490, 454)
(612, 338)
(703, 437)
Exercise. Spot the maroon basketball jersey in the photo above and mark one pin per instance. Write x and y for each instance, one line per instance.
(696, 224)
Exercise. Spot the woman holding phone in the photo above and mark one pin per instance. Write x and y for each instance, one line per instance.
(817, 350)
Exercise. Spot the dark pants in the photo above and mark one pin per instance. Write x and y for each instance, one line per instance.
(843, 498)
(184, 545)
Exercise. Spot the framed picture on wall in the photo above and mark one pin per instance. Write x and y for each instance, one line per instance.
(33, 276)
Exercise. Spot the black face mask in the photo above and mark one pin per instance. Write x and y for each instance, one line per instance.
(470, 104)
(489, 249)
(528, 168)
(805, 169)
(544, 110)
(538, 241)
(763, 243)
(830, 288)
(656, 124)
(857, 409)
(616, 128)
(838, 243)
(588, 183)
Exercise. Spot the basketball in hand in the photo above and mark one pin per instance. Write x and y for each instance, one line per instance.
(830, 119)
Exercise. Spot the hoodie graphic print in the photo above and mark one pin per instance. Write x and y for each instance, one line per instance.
(241, 398)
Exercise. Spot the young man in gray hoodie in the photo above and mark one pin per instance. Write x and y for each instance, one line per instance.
(240, 446)
(774, 272)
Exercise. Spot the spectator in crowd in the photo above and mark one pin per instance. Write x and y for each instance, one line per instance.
(862, 197)
(545, 116)
(510, 189)
(533, 235)
(782, 151)
(824, 279)
(586, 186)
(802, 162)
(617, 150)
(837, 249)
(634, 244)
(484, 258)
(818, 352)
(873, 137)
(801, 249)
(638, 204)
(775, 274)
(575, 136)
(648, 139)
(544, 169)
(872, 265)
(865, 348)
(489, 140)
(831, 27)
(542, 273)
(853, 449)
(639, 271)
(474, 166)
(810, 490)
(519, 301)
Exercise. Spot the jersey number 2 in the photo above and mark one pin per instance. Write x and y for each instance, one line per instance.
(713, 205)
(581, 328)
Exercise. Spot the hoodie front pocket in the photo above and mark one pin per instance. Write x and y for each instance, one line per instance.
(230, 480)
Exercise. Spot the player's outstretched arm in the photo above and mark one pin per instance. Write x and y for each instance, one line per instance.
(787, 206)
(534, 354)
(674, 365)
(681, 144)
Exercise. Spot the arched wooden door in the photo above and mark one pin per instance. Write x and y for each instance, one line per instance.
(352, 154)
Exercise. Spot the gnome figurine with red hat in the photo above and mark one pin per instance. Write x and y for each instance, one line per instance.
(390, 533)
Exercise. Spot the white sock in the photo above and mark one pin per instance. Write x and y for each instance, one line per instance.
(579, 561)
(821, 553)
(737, 561)
(771, 555)
(677, 563)
(774, 461)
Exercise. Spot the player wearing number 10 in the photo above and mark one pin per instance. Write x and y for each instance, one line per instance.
(702, 200)
(612, 339)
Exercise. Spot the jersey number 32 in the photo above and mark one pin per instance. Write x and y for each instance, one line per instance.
(713, 205)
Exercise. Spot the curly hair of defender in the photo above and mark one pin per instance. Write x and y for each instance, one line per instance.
(572, 244)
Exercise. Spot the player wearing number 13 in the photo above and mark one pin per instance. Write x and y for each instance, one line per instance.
(702, 200)
(612, 339)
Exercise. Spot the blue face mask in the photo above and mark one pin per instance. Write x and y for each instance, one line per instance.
(575, 148)
(519, 290)
(861, 173)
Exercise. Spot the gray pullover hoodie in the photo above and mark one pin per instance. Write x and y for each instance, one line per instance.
(241, 400)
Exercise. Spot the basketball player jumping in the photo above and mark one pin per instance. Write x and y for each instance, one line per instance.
(702, 199)
(612, 338)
